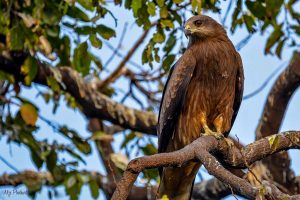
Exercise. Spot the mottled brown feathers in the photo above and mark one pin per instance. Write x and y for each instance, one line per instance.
(206, 81)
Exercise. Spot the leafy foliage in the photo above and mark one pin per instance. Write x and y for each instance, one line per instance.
(66, 33)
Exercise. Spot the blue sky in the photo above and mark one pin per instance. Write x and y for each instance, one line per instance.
(257, 68)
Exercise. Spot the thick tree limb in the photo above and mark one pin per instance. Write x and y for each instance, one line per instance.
(271, 120)
(202, 150)
(93, 103)
(32, 177)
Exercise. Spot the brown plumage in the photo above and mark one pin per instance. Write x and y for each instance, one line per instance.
(202, 96)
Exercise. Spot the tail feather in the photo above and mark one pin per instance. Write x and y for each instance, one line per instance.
(177, 183)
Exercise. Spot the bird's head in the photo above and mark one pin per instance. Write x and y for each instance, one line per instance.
(202, 26)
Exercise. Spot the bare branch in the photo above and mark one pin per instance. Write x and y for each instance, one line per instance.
(118, 71)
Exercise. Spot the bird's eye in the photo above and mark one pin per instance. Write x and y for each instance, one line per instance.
(198, 23)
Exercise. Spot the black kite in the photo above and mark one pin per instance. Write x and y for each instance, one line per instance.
(202, 96)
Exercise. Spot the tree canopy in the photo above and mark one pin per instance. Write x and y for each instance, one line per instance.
(55, 44)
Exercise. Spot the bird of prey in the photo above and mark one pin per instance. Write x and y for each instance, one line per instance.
(202, 96)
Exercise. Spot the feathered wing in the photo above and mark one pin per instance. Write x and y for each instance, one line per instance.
(173, 98)
(239, 89)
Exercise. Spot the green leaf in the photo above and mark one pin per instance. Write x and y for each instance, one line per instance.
(15, 38)
(78, 14)
(36, 159)
(151, 174)
(156, 56)
(279, 48)
(168, 61)
(29, 69)
(87, 4)
(160, 3)
(235, 15)
(128, 4)
(164, 12)
(5, 76)
(53, 84)
(167, 23)
(73, 184)
(136, 5)
(143, 17)
(196, 6)
(177, 1)
(296, 29)
(147, 53)
(149, 149)
(82, 59)
(71, 181)
(82, 145)
(51, 160)
(249, 21)
(105, 31)
(274, 142)
(176, 16)
(159, 37)
(84, 30)
(95, 41)
(129, 137)
(170, 44)
(273, 38)
(94, 189)
(29, 114)
(273, 7)
(75, 155)
(257, 8)
(151, 8)
(64, 51)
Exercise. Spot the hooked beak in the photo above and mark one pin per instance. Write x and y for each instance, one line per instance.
(187, 30)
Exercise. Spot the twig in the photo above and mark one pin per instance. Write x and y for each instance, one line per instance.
(119, 68)
(265, 83)
(118, 47)
(121, 55)
(8, 164)
(226, 13)
(243, 42)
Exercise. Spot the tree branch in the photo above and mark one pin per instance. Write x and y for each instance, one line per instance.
(93, 103)
(271, 120)
(119, 70)
(105, 151)
(202, 150)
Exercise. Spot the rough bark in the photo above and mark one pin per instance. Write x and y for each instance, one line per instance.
(271, 120)
(93, 103)
(204, 150)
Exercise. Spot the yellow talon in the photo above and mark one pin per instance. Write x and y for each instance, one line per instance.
(208, 131)
(229, 142)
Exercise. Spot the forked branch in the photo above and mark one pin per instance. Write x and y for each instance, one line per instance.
(208, 150)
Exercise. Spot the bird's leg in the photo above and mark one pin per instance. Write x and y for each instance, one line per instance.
(207, 130)
(218, 123)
